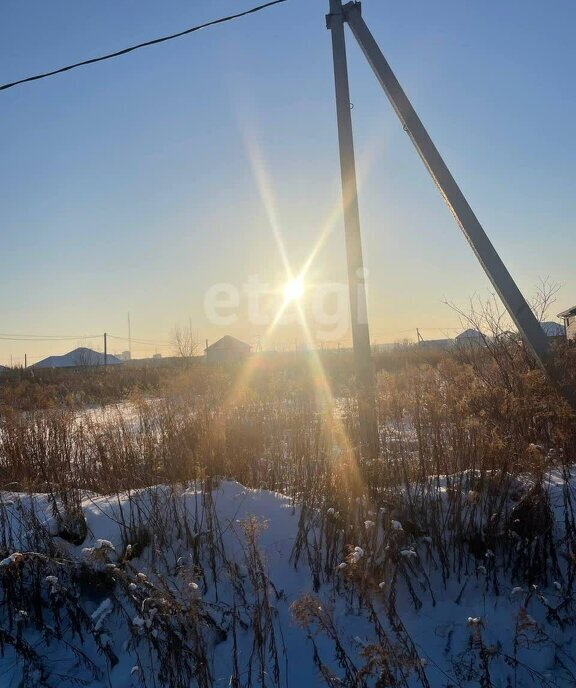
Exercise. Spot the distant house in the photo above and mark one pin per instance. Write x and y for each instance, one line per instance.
(569, 318)
(78, 358)
(552, 329)
(469, 337)
(436, 344)
(227, 350)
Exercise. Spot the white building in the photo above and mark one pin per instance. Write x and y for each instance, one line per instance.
(569, 318)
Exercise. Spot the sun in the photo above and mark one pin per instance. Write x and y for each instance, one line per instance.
(294, 289)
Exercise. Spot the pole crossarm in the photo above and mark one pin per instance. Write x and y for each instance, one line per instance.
(515, 303)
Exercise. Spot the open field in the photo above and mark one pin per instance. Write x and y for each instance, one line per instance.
(261, 425)
(217, 526)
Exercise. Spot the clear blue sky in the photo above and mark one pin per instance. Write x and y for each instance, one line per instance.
(127, 185)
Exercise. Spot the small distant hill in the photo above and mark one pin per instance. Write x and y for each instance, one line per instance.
(79, 358)
(553, 329)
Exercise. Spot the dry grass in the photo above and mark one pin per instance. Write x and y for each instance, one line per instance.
(483, 419)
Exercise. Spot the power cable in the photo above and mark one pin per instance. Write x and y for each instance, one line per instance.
(69, 337)
(154, 41)
(140, 341)
(45, 338)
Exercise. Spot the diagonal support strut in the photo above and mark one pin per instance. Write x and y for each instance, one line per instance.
(515, 303)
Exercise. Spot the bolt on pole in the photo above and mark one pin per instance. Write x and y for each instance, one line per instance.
(365, 380)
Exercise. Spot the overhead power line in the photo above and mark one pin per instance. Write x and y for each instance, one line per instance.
(146, 342)
(70, 337)
(146, 44)
(45, 338)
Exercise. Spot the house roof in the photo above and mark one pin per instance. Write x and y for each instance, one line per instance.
(469, 334)
(568, 313)
(552, 329)
(227, 342)
(78, 358)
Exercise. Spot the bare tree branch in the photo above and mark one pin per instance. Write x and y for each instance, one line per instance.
(184, 341)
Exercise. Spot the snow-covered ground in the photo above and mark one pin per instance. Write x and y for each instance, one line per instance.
(238, 587)
(127, 412)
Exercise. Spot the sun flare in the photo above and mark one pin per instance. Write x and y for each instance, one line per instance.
(294, 290)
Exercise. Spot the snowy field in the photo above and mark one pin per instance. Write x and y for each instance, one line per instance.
(125, 411)
(235, 587)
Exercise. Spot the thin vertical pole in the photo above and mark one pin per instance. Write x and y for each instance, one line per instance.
(356, 276)
(129, 338)
(105, 349)
(25, 360)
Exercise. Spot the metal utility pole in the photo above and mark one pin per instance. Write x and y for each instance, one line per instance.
(105, 349)
(356, 276)
(515, 303)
